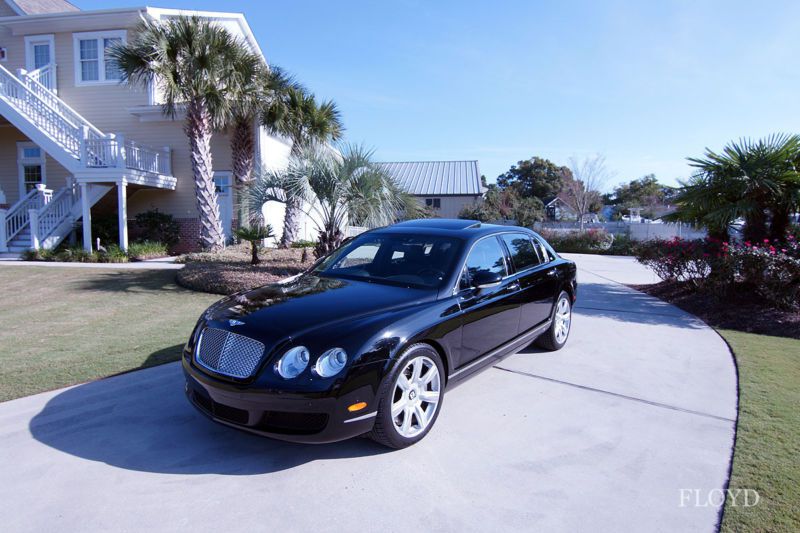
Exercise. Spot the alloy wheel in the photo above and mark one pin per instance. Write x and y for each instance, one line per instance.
(563, 318)
(416, 396)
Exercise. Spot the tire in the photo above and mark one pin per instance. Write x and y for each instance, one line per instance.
(554, 338)
(401, 390)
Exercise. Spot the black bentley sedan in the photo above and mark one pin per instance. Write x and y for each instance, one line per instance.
(368, 340)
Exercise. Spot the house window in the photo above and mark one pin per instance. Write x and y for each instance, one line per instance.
(435, 203)
(92, 62)
(31, 165)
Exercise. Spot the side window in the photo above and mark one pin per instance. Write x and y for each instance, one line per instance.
(520, 246)
(487, 255)
(363, 255)
(543, 252)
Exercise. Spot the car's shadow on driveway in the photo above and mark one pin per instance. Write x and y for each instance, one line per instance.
(143, 421)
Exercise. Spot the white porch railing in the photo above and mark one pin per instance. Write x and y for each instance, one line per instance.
(45, 76)
(116, 151)
(46, 219)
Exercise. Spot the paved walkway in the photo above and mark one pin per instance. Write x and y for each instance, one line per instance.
(166, 263)
(601, 436)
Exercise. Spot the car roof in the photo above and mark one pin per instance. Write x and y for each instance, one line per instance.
(447, 227)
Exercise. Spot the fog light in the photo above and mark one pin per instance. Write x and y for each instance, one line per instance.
(357, 407)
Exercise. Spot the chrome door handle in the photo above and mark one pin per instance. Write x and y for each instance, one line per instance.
(552, 273)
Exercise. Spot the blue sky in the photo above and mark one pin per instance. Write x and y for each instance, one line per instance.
(644, 83)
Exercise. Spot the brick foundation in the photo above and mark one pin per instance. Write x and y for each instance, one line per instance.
(190, 234)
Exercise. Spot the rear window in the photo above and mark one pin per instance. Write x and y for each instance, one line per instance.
(523, 253)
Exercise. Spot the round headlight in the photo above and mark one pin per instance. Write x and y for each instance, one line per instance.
(293, 362)
(331, 362)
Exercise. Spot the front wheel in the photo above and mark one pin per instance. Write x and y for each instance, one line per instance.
(410, 398)
(557, 334)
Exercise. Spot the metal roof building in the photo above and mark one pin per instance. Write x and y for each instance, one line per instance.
(437, 178)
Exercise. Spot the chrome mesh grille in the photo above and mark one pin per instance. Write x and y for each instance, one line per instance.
(228, 353)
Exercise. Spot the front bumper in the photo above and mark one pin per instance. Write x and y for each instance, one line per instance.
(310, 418)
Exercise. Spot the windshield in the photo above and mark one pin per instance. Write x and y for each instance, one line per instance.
(409, 260)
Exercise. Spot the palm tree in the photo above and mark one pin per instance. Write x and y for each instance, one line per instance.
(192, 62)
(754, 180)
(337, 189)
(254, 234)
(259, 88)
(298, 115)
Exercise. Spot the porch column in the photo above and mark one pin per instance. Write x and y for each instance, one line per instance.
(3, 238)
(122, 209)
(86, 214)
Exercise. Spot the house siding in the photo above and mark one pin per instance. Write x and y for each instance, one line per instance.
(451, 206)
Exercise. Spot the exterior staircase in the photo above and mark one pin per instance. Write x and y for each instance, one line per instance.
(43, 218)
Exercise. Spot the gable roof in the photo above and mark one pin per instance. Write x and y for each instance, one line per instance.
(38, 7)
(437, 178)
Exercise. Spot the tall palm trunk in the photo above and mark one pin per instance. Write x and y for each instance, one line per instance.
(198, 129)
(291, 220)
(243, 149)
(781, 215)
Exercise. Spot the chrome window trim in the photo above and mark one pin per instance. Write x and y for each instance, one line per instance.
(534, 241)
(455, 290)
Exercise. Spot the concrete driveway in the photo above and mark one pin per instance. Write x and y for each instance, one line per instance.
(601, 436)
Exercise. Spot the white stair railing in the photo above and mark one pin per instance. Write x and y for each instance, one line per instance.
(45, 76)
(17, 214)
(40, 111)
(76, 134)
(45, 220)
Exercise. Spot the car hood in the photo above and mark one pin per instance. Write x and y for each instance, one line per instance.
(309, 302)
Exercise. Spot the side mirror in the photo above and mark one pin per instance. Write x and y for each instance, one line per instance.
(486, 279)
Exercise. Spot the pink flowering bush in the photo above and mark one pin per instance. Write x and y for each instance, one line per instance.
(771, 269)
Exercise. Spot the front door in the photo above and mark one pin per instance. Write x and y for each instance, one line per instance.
(40, 59)
(490, 317)
(222, 183)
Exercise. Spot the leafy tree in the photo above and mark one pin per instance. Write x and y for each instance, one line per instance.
(754, 180)
(505, 204)
(254, 234)
(192, 62)
(535, 177)
(645, 192)
(337, 189)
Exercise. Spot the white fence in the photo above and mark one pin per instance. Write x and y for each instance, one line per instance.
(638, 231)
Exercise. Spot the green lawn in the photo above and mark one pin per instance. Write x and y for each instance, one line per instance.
(767, 453)
(62, 326)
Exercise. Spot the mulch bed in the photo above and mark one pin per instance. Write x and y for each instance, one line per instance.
(230, 270)
(741, 311)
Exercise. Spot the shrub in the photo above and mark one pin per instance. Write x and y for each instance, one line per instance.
(622, 245)
(141, 251)
(587, 242)
(112, 254)
(155, 226)
(304, 244)
(770, 270)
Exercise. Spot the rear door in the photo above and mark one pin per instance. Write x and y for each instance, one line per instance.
(532, 275)
(490, 317)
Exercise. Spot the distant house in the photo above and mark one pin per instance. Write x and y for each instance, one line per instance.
(445, 187)
(557, 209)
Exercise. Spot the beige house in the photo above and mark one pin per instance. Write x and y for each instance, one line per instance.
(444, 187)
(77, 143)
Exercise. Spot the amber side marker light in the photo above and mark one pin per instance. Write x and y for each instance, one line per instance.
(357, 407)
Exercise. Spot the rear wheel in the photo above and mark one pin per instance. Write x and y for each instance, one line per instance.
(557, 334)
(410, 398)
